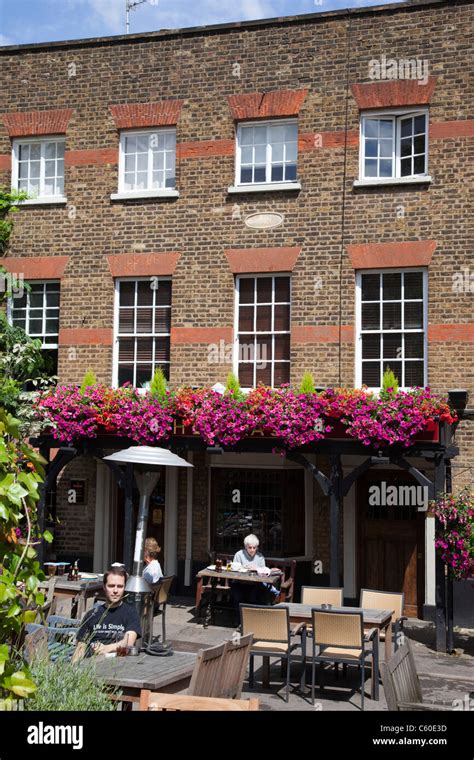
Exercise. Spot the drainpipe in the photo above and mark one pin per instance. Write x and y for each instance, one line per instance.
(189, 524)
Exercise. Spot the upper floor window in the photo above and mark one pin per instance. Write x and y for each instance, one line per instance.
(147, 161)
(142, 330)
(38, 167)
(36, 311)
(394, 145)
(262, 346)
(266, 152)
(391, 321)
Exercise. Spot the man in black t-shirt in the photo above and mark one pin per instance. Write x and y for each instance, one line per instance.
(106, 627)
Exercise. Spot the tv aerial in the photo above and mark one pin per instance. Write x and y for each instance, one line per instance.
(130, 5)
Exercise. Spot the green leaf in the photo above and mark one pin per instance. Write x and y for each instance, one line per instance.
(21, 685)
(14, 610)
(29, 616)
(32, 583)
(32, 455)
(48, 536)
(4, 515)
(39, 598)
(16, 492)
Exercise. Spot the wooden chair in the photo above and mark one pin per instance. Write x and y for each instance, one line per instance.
(59, 634)
(233, 667)
(205, 677)
(401, 683)
(161, 591)
(385, 600)
(36, 645)
(271, 637)
(152, 700)
(340, 638)
(318, 595)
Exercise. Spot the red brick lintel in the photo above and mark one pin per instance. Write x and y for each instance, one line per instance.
(85, 337)
(246, 260)
(134, 115)
(30, 123)
(393, 93)
(384, 255)
(264, 105)
(142, 264)
(37, 267)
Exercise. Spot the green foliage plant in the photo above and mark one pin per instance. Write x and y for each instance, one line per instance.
(158, 385)
(63, 685)
(88, 381)
(307, 384)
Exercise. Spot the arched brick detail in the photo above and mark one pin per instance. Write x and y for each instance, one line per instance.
(264, 105)
(29, 123)
(162, 114)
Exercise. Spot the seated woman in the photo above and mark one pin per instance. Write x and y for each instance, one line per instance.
(152, 572)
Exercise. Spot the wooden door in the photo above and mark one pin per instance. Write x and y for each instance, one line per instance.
(391, 541)
(156, 518)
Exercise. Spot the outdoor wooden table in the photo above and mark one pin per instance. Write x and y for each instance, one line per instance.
(228, 575)
(78, 591)
(381, 619)
(170, 674)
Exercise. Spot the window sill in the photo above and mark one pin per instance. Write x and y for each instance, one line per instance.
(48, 200)
(270, 187)
(393, 181)
(143, 194)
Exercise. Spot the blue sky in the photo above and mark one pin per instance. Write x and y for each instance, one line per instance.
(24, 21)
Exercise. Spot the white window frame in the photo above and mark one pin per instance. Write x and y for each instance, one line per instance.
(44, 310)
(235, 353)
(115, 352)
(43, 139)
(358, 322)
(268, 184)
(396, 115)
(148, 192)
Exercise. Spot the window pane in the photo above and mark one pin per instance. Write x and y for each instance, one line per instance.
(405, 167)
(386, 128)
(260, 174)
(385, 168)
(419, 164)
(371, 148)
(36, 300)
(413, 316)
(414, 346)
(282, 289)
(126, 320)
(247, 288)
(162, 292)
(282, 346)
(277, 153)
(246, 315)
(414, 374)
(162, 349)
(370, 287)
(260, 155)
(130, 163)
(260, 135)
(246, 136)
(405, 147)
(142, 161)
(52, 326)
(145, 292)
(406, 126)
(264, 289)
(282, 317)
(281, 373)
(419, 143)
(126, 350)
(392, 286)
(264, 375)
(370, 168)
(264, 351)
(162, 320)
(386, 148)
(127, 293)
(392, 346)
(246, 374)
(264, 318)
(392, 316)
(142, 143)
(370, 316)
(277, 173)
(130, 144)
(35, 327)
(371, 374)
(291, 152)
(290, 172)
(144, 320)
(125, 374)
(413, 283)
(277, 134)
(24, 153)
(246, 175)
(370, 346)
(420, 124)
(144, 375)
(246, 155)
(35, 151)
(371, 127)
(49, 168)
(144, 349)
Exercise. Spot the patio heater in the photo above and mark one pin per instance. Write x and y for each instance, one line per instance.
(147, 461)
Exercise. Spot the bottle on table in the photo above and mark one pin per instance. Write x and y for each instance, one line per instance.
(218, 565)
(75, 571)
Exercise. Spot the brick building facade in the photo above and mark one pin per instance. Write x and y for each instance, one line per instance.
(206, 227)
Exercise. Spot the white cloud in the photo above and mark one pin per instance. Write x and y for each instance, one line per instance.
(4, 40)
